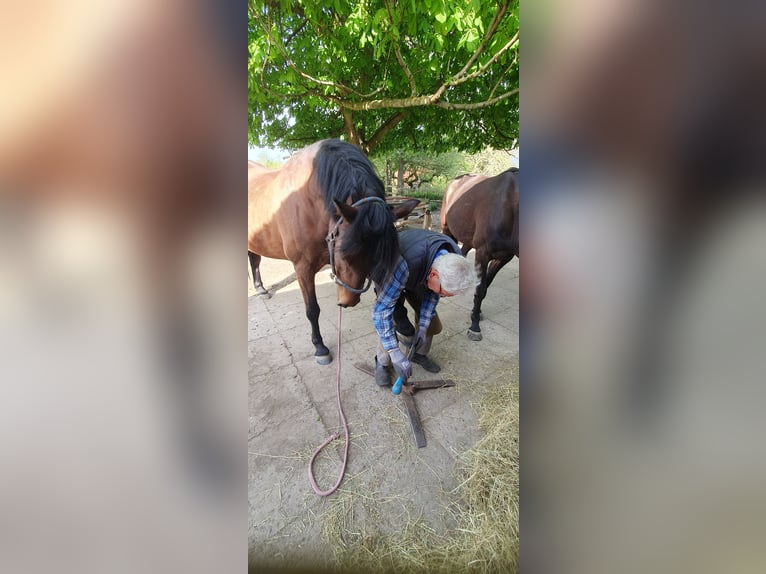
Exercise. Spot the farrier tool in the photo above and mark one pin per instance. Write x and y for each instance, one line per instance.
(408, 396)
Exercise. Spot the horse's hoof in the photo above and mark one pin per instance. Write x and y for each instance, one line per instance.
(263, 293)
(474, 335)
(324, 359)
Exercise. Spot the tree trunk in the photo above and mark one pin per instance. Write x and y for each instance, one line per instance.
(400, 178)
(389, 174)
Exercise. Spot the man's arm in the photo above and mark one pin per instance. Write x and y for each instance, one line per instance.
(427, 309)
(383, 311)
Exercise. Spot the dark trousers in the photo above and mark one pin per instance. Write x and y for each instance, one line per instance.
(402, 323)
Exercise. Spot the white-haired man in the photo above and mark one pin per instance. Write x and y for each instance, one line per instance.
(431, 267)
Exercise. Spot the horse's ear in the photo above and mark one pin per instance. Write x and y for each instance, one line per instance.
(345, 211)
(405, 208)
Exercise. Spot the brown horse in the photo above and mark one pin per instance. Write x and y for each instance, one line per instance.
(483, 213)
(326, 193)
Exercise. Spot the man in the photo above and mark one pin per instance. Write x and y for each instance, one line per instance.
(430, 267)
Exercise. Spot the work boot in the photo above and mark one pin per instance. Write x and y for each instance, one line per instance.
(382, 374)
(426, 363)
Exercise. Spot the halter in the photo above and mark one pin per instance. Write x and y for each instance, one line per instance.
(332, 236)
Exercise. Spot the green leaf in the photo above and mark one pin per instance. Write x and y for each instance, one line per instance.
(441, 17)
(380, 15)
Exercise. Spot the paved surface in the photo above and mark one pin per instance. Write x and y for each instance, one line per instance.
(293, 409)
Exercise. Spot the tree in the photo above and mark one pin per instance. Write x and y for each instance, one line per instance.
(433, 75)
(418, 169)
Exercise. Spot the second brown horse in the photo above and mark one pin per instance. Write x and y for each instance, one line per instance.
(483, 213)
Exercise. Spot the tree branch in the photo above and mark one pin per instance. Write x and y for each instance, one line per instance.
(477, 105)
(399, 58)
(500, 79)
(492, 60)
(410, 79)
(487, 37)
(349, 127)
(398, 103)
(382, 131)
(297, 31)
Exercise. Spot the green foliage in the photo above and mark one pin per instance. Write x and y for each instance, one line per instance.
(489, 162)
(312, 59)
(426, 175)
(421, 167)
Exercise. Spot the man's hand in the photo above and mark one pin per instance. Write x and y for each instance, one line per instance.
(420, 339)
(402, 366)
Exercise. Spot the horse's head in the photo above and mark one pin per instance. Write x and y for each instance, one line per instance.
(364, 246)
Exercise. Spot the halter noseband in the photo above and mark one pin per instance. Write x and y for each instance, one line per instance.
(333, 235)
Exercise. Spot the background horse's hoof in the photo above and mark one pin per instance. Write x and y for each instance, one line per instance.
(474, 335)
(263, 293)
(324, 359)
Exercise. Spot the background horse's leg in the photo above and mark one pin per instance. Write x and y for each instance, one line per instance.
(474, 332)
(255, 263)
(308, 289)
(465, 248)
(494, 266)
(487, 276)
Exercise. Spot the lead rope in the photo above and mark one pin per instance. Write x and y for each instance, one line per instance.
(334, 435)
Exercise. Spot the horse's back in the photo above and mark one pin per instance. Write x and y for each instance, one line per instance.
(253, 167)
(281, 206)
(455, 189)
(457, 218)
(484, 212)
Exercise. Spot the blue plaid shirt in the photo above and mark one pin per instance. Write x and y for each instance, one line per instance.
(388, 295)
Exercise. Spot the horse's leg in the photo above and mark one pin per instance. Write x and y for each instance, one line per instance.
(464, 249)
(255, 264)
(494, 266)
(308, 288)
(474, 332)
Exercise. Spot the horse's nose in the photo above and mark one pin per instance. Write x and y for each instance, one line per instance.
(346, 298)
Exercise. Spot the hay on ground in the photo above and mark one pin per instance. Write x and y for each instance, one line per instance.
(485, 508)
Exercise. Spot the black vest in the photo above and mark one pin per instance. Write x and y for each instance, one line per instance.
(419, 248)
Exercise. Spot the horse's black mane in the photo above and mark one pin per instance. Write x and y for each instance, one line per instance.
(343, 172)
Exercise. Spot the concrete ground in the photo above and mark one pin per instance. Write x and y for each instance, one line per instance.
(293, 409)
